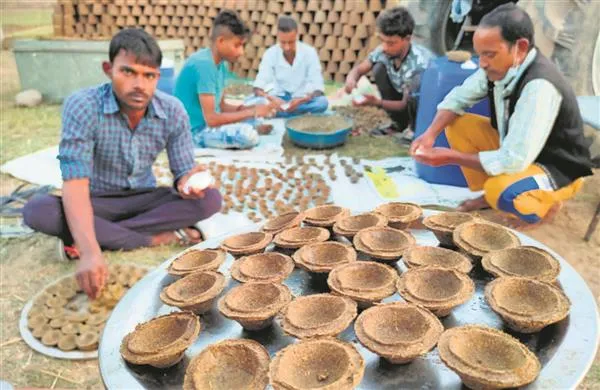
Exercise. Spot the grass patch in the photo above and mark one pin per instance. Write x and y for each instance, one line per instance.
(26, 17)
(36, 32)
(26, 130)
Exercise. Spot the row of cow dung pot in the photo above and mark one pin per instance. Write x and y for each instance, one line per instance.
(358, 269)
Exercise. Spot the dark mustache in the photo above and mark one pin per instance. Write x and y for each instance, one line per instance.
(137, 93)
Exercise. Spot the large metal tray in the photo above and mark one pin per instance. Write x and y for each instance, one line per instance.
(566, 350)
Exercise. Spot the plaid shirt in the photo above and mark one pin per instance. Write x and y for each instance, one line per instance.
(97, 143)
(413, 65)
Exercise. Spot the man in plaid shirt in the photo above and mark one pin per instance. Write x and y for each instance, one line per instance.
(111, 136)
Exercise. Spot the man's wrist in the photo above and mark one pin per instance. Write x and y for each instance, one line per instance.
(454, 157)
(93, 249)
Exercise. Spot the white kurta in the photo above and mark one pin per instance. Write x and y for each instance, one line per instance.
(298, 79)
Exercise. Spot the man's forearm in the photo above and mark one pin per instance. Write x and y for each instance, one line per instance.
(354, 74)
(226, 107)
(259, 92)
(466, 160)
(80, 214)
(225, 118)
(441, 120)
(392, 105)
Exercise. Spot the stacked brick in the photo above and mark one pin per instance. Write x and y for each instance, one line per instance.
(342, 31)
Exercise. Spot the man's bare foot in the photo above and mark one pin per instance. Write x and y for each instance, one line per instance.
(185, 236)
(473, 204)
(517, 223)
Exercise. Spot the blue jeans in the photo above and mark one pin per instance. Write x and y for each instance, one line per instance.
(240, 135)
(316, 105)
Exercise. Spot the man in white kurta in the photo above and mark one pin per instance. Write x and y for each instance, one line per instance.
(290, 74)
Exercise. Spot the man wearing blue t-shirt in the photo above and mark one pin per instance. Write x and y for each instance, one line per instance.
(200, 85)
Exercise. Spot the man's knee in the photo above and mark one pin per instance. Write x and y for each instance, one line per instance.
(319, 104)
(238, 135)
(213, 201)
(206, 207)
(43, 213)
(384, 83)
(380, 73)
(244, 136)
(501, 193)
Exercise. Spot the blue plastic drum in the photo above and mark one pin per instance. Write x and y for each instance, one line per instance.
(437, 81)
(166, 83)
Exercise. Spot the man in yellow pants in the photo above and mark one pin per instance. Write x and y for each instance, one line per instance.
(531, 154)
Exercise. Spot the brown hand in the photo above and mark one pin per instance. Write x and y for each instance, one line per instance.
(192, 193)
(91, 273)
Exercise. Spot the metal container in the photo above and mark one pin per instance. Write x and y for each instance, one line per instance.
(57, 68)
(318, 140)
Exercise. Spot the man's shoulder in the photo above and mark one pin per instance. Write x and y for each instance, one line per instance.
(305, 47)
(377, 55)
(89, 98)
(172, 106)
(422, 53)
(271, 50)
(201, 58)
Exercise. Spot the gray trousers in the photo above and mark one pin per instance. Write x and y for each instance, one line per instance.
(124, 219)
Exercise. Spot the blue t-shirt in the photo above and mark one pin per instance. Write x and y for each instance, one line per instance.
(200, 75)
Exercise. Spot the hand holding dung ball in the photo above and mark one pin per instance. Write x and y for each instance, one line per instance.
(194, 183)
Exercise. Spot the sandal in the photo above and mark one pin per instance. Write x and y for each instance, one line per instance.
(66, 252)
(12, 205)
(185, 239)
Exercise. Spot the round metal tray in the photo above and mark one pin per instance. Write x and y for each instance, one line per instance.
(566, 350)
(37, 345)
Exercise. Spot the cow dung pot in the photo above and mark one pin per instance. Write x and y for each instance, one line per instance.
(527, 305)
(229, 364)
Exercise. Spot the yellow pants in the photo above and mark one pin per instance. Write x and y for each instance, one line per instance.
(527, 194)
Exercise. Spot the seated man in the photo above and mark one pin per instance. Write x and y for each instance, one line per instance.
(291, 72)
(200, 85)
(532, 155)
(397, 66)
(111, 136)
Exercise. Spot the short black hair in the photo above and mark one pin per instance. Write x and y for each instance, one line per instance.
(396, 21)
(513, 21)
(137, 42)
(229, 22)
(286, 24)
